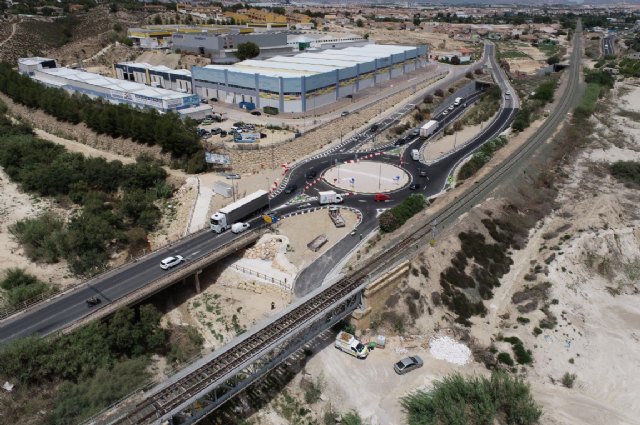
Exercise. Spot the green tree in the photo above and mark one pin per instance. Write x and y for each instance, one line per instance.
(247, 50)
(359, 23)
(552, 60)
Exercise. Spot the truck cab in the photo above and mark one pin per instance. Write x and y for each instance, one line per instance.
(219, 223)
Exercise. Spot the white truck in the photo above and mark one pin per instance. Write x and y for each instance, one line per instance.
(415, 154)
(350, 345)
(428, 129)
(239, 210)
(329, 197)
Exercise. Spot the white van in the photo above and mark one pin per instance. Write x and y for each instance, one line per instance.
(415, 154)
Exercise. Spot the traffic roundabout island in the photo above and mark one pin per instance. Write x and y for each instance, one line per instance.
(366, 177)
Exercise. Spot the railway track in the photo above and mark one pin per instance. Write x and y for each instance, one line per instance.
(172, 397)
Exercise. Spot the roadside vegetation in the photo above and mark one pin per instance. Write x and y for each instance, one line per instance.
(169, 131)
(480, 158)
(395, 217)
(20, 286)
(533, 104)
(486, 107)
(112, 206)
(628, 172)
(69, 378)
(473, 400)
(598, 84)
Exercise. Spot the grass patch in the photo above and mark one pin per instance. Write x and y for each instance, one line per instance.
(627, 172)
(473, 400)
(512, 54)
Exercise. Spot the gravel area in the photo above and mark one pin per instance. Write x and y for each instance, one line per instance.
(447, 349)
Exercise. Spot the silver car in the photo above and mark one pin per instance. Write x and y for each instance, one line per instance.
(407, 364)
(173, 261)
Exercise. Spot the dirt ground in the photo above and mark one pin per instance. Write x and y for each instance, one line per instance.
(15, 206)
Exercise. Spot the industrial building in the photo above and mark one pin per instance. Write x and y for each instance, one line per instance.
(222, 47)
(319, 41)
(28, 66)
(114, 90)
(307, 80)
(156, 76)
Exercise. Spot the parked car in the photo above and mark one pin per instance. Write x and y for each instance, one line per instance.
(216, 130)
(291, 188)
(93, 301)
(214, 99)
(414, 186)
(172, 261)
(344, 113)
(239, 227)
(381, 197)
(311, 174)
(223, 133)
(256, 113)
(204, 100)
(233, 176)
(206, 121)
(206, 135)
(407, 364)
(238, 124)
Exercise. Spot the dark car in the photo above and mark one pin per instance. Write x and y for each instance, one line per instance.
(291, 188)
(256, 113)
(374, 128)
(223, 133)
(204, 100)
(214, 99)
(311, 174)
(238, 124)
(414, 186)
(93, 301)
(263, 135)
(415, 132)
(423, 173)
(407, 364)
(401, 141)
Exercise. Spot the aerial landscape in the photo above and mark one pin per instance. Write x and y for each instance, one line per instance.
(319, 213)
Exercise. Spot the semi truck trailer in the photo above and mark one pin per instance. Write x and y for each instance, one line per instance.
(239, 210)
(428, 129)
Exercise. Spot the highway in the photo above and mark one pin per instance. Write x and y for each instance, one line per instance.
(58, 313)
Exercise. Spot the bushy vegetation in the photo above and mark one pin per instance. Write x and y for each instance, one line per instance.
(90, 368)
(395, 217)
(627, 172)
(473, 400)
(544, 93)
(21, 286)
(481, 157)
(118, 201)
(629, 67)
(464, 293)
(487, 107)
(147, 126)
(523, 356)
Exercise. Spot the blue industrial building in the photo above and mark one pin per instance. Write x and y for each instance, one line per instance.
(308, 80)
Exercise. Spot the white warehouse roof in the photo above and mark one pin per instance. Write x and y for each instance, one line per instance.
(158, 68)
(53, 76)
(307, 64)
(33, 60)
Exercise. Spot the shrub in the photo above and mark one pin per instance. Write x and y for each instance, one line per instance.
(568, 379)
(478, 400)
(481, 157)
(505, 358)
(439, 93)
(21, 286)
(627, 172)
(395, 217)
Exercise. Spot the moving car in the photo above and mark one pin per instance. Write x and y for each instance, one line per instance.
(423, 173)
(445, 112)
(451, 108)
(381, 197)
(344, 113)
(93, 301)
(172, 261)
(414, 186)
(291, 188)
(239, 227)
(407, 364)
(256, 113)
(374, 128)
(507, 92)
(401, 141)
(311, 174)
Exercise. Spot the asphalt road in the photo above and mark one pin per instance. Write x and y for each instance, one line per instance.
(61, 311)
(607, 46)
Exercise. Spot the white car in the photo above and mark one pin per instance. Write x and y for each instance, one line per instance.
(445, 112)
(239, 227)
(451, 108)
(173, 261)
(508, 93)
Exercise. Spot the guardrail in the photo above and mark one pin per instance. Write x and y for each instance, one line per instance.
(284, 284)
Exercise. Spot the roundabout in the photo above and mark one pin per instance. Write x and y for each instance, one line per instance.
(367, 177)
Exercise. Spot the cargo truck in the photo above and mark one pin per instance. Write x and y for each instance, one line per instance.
(329, 197)
(350, 345)
(428, 129)
(239, 210)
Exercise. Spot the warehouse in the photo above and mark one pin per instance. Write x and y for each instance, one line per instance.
(156, 76)
(308, 80)
(115, 91)
(222, 47)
